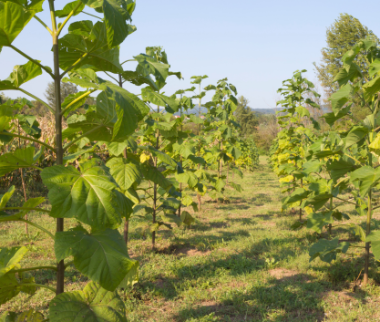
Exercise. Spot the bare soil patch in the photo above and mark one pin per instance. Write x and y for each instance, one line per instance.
(282, 274)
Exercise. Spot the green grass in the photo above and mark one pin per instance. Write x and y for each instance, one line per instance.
(238, 262)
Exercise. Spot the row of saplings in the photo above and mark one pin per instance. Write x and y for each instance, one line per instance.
(155, 167)
(323, 172)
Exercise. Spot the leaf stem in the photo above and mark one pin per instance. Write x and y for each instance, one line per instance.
(68, 264)
(42, 23)
(112, 77)
(80, 137)
(27, 208)
(34, 269)
(76, 100)
(28, 138)
(68, 18)
(89, 14)
(73, 65)
(31, 285)
(347, 155)
(345, 200)
(127, 61)
(37, 99)
(37, 226)
(32, 60)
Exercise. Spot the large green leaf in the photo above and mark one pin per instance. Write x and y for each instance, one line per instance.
(170, 103)
(297, 195)
(115, 15)
(150, 66)
(10, 257)
(235, 152)
(154, 175)
(137, 79)
(184, 149)
(374, 239)
(93, 304)
(187, 177)
(368, 177)
(12, 286)
(344, 76)
(317, 220)
(356, 134)
(338, 168)
(117, 148)
(68, 8)
(6, 196)
(220, 184)
(302, 111)
(89, 195)
(311, 166)
(89, 49)
(116, 109)
(24, 73)
(162, 156)
(101, 255)
(327, 249)
(125, 173)
(318, 201)
(21, 158)
(331, 118)
(30, 125)
(341, 97)
(13, 19)
(29, 316)
(371, 88)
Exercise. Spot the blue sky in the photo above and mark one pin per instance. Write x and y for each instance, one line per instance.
(256, 44)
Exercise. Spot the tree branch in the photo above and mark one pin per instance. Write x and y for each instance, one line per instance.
(37, 99)
(68, 18)
(28, 138)
(42, 23)
(32, 60)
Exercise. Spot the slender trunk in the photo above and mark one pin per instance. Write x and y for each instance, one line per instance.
(368, 230)
(219, 169)
(367, 245)
(331, 209)
(199, 108)
(228, 172)
(300, 214)
(126, 231)
(180, 162)
(126, 224)
(23, 182)
(58, 136)
(155, 193)
(199, 196)
(120, 81)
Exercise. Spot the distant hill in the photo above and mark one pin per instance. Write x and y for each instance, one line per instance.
(264, 110)
(256, 110)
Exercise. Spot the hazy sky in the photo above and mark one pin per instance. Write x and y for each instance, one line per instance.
(256, 44)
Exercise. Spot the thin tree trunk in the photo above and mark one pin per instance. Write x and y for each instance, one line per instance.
(228, 172)
(199, 197)
(126, 223)
(367, 245)
(368, 230)
(155, 191)
(23, 182)
(58, 136)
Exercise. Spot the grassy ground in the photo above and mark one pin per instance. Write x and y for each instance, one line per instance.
(238, 262)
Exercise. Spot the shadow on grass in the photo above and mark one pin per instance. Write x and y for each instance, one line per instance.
(346, 270)
(292, 298)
